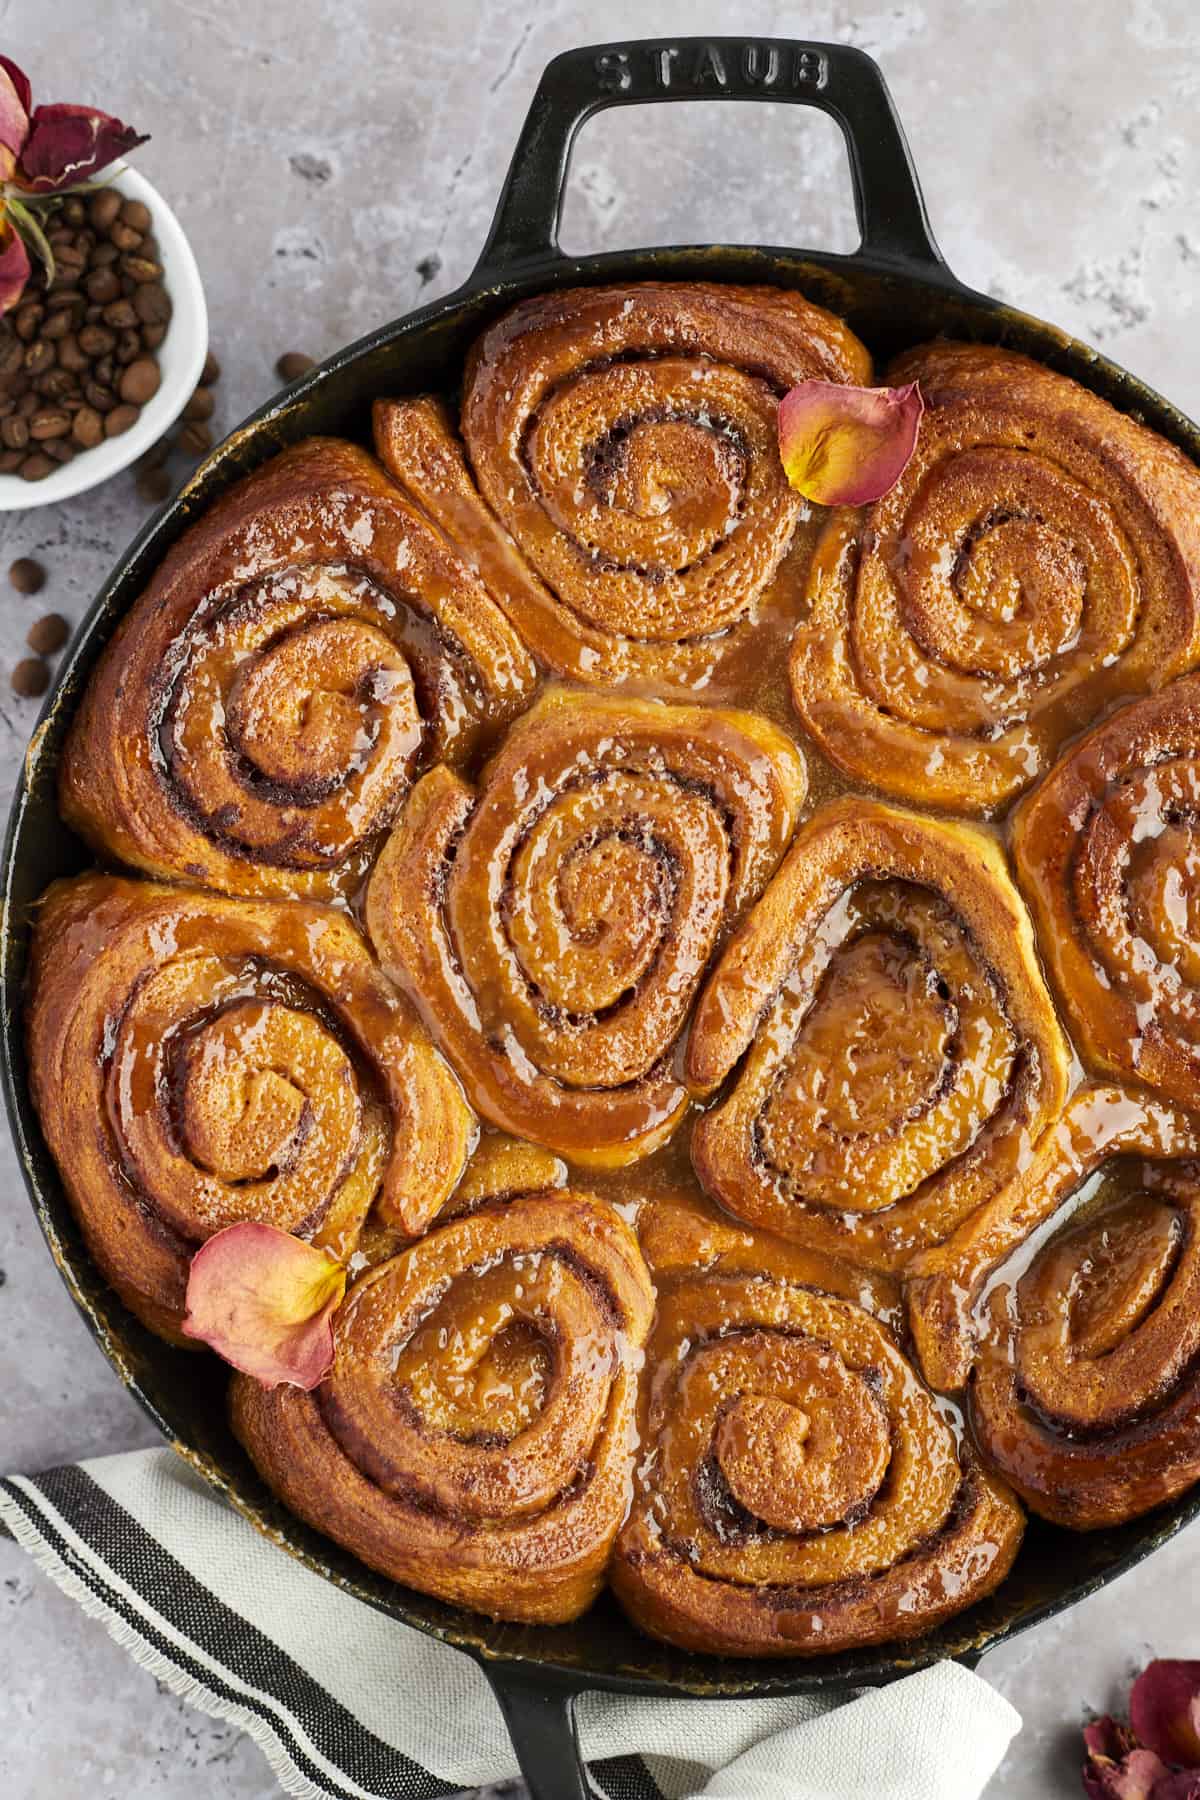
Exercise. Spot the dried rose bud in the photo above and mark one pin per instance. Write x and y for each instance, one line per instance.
(265, 1301)
(844, 446)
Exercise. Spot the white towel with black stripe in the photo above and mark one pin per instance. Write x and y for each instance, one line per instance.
(348, 1703)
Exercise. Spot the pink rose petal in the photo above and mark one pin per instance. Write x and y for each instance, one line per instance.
(70, 144)
(15, 100)
(844, 446)
(14, 269)
(265, 1301)
(1164, 1710)
(1137, 1775)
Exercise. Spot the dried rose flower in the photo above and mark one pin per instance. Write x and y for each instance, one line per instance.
(844, 446)
(1156, 1756)
(45, 151)
(265, 1301)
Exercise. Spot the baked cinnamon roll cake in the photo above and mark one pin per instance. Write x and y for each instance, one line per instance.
(706, 976)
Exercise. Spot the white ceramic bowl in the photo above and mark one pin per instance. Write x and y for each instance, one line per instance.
(180, 357)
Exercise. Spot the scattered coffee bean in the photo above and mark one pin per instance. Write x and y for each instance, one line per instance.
(27, 575)
(139, 382)
(211, 371)
(30, 678)
(200, 406)
(120, 419)
(48, 634)
(153, 485)
(36, 466)
(156, 455)
(292, 364)
(196, 438)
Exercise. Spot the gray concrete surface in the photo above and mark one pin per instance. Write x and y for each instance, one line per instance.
(335, 161)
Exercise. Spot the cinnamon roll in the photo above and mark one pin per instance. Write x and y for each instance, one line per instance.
(256, 721)
(1074, 1298)
(473, 1438)
(799, 1491)
(901, 1054)
(632, 513)
(553, 925)
(196, 1061)
(1108, 854)
(1038, 559)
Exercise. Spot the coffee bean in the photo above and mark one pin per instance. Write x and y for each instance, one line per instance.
(87, 427)
(140, 270)
(156, 455)
(98, 341)
(69, 301)
(104, 255)
(59, 449)
(10, 354)
(30, 678)
(129, 348)
(120, 314)
(292, 364)
(54, 384)
(97, 395)
(103, 285)
(48, 634)
(153, 485)
(196, 439)
(28, 403)
(38, 356)
(153, 335)
(105, 207)
(211, 371)
(140, 380)
(152, 303)
(27, 575)
(7, 405)
(120, 419)
(69, 263)
(14, 432)
(10, 461)
(26, 320)
(37, 466)
(136, 215)
(199, 405)
(56, 326)
(74, 211)
(72, 356)
(124, 236)
(104, 369)
(49, 422)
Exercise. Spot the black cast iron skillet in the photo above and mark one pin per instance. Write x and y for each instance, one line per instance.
(895, 291)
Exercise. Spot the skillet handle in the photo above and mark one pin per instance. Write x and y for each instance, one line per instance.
(835, 78)
(539, 1711)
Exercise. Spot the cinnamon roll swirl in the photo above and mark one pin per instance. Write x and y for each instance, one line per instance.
(799, 1491)
(1074, 1298)
(256, 721)
(631, 512)
(901, 1054)
(1038, 559)
(554, 925)
(197, 1061)
(1108, 854)
(473, 1438)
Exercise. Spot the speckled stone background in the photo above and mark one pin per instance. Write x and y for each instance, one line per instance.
(334, 161)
